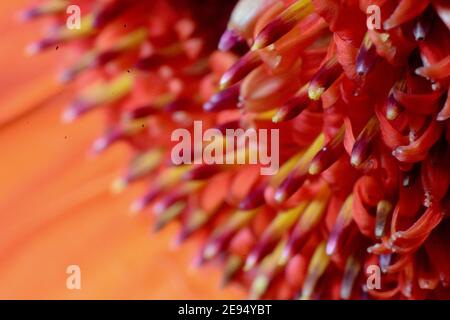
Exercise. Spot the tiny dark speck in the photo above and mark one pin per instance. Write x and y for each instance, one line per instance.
(128, 71)
(65, 137)
(57, 47)
(124, 25)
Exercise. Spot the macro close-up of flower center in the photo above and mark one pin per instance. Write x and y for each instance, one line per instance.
(354, 95)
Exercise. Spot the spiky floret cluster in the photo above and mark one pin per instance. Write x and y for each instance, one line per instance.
(363, 116)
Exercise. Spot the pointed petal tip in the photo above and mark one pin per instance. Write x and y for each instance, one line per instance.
(278, 117)
(65, 76)
(210, 251)
(25, 15)
(225, 81)
(355, 160)
(99, 145)
(258, 44)
(69, 115)
(259, 287)
(331, 246)
(250, 262)
(280, 196)
(33, 49)
(229, 39)
(313, 169)
(137, 207)
(118, 186)
(391, 114)
(442, 116)
(314, 93)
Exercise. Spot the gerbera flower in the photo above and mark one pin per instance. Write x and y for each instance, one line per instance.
(363, 117)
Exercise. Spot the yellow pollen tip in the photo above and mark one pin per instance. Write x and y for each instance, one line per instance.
(258, 44)
(384, 37)
(355, 161)
(313, 169)
(224, 83)
(250, 263)
(391, 114)
(314, 93)
(118, 186)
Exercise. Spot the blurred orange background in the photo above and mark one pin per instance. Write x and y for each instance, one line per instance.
(56, 208)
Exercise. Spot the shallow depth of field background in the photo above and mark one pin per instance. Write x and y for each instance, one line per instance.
(56, 208)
